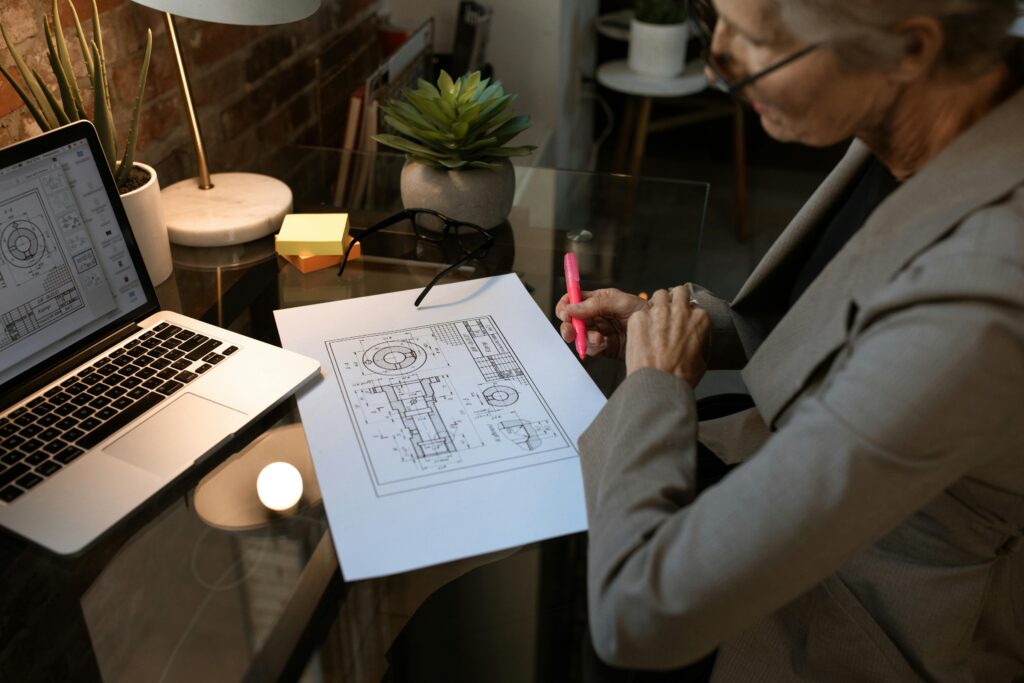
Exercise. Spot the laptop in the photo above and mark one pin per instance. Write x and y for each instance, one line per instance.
(104, 398)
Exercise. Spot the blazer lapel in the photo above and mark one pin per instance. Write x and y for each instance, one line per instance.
(983, 164)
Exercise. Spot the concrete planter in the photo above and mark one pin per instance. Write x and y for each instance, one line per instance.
(477, 195)
(146, 215)
(657, 50)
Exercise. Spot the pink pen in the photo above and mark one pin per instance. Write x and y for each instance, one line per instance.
(572, 285)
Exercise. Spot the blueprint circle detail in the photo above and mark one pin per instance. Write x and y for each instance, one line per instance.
(500, 396)
(394, 358)
(22, 243)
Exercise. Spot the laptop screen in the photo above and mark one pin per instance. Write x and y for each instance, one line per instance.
(66, 270)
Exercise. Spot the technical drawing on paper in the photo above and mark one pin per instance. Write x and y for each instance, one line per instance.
(441, 403)
(33, 263)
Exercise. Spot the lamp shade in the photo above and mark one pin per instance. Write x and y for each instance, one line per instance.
(241, 12)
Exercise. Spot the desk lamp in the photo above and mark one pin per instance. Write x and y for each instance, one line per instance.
(224, 208)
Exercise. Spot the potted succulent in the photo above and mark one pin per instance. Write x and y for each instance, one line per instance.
(137, 182)
(657, 38)
(453, 135)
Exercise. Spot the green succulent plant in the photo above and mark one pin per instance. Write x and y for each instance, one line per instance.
(660, 11)
(457, 124)
(49, 112)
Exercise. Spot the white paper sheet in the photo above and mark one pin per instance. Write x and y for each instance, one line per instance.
(441, 432)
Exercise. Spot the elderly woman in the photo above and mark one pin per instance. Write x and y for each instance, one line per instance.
(873, 530)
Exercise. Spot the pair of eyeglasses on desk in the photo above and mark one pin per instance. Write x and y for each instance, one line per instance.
(433, 226)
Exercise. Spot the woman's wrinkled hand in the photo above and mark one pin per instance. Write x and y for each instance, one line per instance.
(669, 335)
(605, 313)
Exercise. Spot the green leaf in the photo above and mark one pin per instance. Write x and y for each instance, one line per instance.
(511, 128)
(101, 114)
(69, 108)
(509, 151)
(62, 118)
(431, 109)
(459, 129)
(26, 97)
(86, 54)
(128, 160)
(65, 62)
(427, 87)
(469, 87)
(483, 164)
(445, 84)
(453, 163)
(404, 145)
(410, 114)
(49, 116)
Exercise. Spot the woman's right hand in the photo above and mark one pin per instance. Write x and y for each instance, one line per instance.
(605, 313)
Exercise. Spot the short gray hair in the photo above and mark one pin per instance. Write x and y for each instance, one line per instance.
(860, 31)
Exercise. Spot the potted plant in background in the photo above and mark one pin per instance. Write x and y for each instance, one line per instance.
(137, 182)
(657, 38)
(454, 136)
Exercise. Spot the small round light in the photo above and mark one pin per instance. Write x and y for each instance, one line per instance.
(279, 486)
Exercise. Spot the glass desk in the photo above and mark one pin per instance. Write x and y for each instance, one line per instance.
(181, 591)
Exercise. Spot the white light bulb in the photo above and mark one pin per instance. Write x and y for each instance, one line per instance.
(279, 486)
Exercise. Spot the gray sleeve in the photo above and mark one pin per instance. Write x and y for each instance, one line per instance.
(671, 575)
(725, 352)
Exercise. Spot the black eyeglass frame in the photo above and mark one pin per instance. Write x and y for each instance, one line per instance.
(704, 36)
(435, 236)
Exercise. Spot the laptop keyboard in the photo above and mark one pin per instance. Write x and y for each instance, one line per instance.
(38, 439)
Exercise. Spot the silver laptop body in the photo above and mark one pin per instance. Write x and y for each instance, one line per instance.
(104, 399)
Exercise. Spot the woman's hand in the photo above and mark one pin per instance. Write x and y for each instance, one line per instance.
(605, 313)
(669, 335)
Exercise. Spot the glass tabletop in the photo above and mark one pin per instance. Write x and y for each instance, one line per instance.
(197, 585)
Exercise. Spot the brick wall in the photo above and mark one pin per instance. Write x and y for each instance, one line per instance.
(254, 87)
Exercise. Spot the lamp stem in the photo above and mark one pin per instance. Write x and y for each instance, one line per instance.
(197, 136)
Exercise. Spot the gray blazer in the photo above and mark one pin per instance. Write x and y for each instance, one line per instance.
(874, 529)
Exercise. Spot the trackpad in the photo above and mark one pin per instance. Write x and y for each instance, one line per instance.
(173, 438)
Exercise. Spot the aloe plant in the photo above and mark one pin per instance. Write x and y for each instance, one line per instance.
(51, 112)
(660, 11)
(456, 124)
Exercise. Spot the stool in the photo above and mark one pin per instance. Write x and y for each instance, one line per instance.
(637, 124)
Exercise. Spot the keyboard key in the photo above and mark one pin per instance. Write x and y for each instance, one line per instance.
(169, 344)
(68, 454)
(167, 373)
(161, 326)
(47, 420)
(18, 412)
(230, 350)
(203, 368)
(168, 332)
(30, 431)
(47, 468)
(137, 393)
(121, 403)
(145, 373)
(152, 383)
(89, 424)
(99, 402)
(174, 354)
(116, 352)
(132, 344)
(12, 473)
(194, 342)
(51, 392)
(100, 363)
(147, 334)
(73, 434)
(31, 445)
(181, 364)
(37, 457)
(7, 427)
(54, 446)
(151, 343)
(109, 369)
(184, 334)
(25, 419)
(169, 387)
(9, 493)
(43, 408)
(96, 390)
(12, 442)
(65, 409)
(29, 480)
(105, 413)
(34, 402)
(131, 382)
(115, 392)
(76, 388)
(123, 360)
(137, 351)
(83, 413)
(160, 364)
(81, 399)
(49, 434)
(60, 399)
(202, 350)
(213, 358)
(122, 419)
(93, 379)
(66, 423)
(185, 377)
(11, 456)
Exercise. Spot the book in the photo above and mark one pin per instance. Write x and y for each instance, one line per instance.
(472, 30)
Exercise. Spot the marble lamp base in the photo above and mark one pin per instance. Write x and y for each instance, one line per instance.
(240, 207)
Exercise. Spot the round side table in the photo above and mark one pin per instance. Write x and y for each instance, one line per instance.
(637, 123)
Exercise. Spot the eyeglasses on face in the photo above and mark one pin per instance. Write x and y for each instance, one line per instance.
(703, 19)
(433, 226)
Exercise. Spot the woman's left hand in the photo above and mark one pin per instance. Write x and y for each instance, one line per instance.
(669, 335)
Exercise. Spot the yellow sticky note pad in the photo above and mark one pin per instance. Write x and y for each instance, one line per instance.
(313, 234)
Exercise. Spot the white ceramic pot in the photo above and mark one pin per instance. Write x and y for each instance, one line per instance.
(657, 50)
(146, 216)
(477, 195)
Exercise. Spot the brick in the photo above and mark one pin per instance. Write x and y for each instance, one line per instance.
(20, 21)
(160, 118)
(218, 83)
(267, 55)
(209, 43)
(9, 100)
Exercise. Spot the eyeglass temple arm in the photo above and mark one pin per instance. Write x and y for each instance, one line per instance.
(376, 227)
(468, 257)
(743, 82)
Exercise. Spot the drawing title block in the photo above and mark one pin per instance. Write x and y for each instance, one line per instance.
(313, 234)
